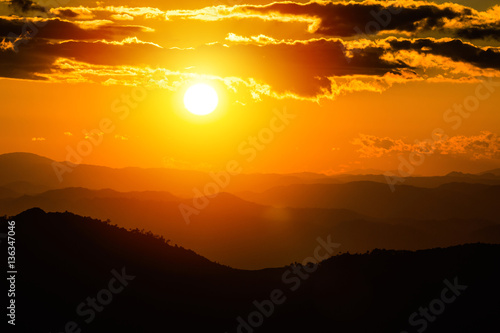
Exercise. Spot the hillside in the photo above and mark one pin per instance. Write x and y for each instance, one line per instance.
(67, 258)
(247, 235)
(40, 173)
(32, 174)
(451, 200)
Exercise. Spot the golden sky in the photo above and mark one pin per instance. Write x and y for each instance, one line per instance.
(303, 86)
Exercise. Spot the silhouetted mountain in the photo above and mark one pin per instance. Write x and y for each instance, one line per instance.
(78, 193)
(248, 235)
(22, 187)
(279, 226)
(227, 230)
(458, 174)
(455, 200)
(8, 193)
(422, 181)
(495, 172)
(31, 168)
(106, 279)
(37, 172)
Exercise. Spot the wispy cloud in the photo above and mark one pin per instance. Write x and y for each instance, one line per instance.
(485, 145)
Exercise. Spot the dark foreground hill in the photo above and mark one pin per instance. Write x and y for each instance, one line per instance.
(78, 273)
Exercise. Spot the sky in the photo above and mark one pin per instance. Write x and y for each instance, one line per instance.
(328, 87)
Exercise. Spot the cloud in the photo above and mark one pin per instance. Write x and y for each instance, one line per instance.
(56, 28)
(480, 32)
(26, 6)
(373, 146)
(36, 60)
(119, 13)
(485, 145)
(482, 25)
(370, 17)
(312, 69)
(453, 49)
(80, 13)
(122, 17)
(299, 69)
(308, 69)
(339, 19)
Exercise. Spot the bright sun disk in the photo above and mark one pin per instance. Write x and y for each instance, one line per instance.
(201, 99)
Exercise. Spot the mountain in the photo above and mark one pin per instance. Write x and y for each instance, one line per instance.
(279, 222)
(41, 171)
(453, 200)
(8, 193)
(247, 235)
(27, 168)
(227, 230)
(32, 174)
(423, 181)
(23, 187)
(494, 172)
(80, 273)
(79, 193)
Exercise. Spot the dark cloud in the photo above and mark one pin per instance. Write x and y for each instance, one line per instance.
(453, 49)
(60, 29)
(349, 19)
(352, 19)
(485, 145)
(26, 6)
(25, 65)
(67, 13)
(38, 56)
(302, 69)
(480, 32)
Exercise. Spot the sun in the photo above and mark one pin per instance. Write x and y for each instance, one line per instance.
(201, 99)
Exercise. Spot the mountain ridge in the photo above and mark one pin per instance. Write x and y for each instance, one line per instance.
(376, 291)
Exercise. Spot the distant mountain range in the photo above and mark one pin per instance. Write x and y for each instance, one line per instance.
(28, 173)
(451, 200)
(360, 215)
(140, 283)
(268, 220)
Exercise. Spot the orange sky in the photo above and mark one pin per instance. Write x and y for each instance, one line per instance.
(363, 83)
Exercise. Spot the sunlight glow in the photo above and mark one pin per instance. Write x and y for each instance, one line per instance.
(201, 99)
